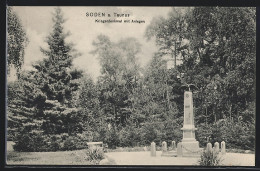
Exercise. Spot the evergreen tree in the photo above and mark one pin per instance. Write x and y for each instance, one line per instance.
(24, 117)
(58, 80)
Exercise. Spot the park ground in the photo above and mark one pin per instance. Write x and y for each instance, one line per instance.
(121, 158)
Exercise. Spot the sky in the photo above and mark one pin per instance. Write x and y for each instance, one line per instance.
(37, 22)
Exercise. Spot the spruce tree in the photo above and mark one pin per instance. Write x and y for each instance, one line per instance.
(24, 117)
(58, 80)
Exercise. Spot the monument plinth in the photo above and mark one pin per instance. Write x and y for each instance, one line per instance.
(189, 145)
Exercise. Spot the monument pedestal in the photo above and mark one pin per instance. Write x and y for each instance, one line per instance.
(189, 147)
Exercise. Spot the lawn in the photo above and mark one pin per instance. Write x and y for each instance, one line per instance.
(125, 156)
(77, 157)
(48, 158)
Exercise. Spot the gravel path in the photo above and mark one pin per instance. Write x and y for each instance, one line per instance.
(144, 158)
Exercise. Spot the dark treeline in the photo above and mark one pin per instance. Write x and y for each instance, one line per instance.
(57, 107)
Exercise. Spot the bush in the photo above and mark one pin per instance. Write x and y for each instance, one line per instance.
(30, 142)
(54, 143)
(38, 142)
(95, 154)
(112, 138)
(74, 143)
(209, 158)
(204, 131)
(236, 134)
(129, 136)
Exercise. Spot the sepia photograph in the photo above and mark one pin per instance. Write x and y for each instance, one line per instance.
(130, 86)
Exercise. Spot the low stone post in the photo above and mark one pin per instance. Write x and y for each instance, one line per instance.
(179, 149)
(216, 147)
(209, 147)
(173, 145)
(164, 147)
(223, 147)
(153, 149)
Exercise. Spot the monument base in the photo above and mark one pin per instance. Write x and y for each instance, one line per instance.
(189, 149)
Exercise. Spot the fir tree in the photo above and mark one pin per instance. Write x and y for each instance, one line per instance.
(55, 74)
(58, 80)
(24, 117)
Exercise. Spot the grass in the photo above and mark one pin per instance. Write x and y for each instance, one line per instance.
(76, 157)
(48, 158)
(19, 157)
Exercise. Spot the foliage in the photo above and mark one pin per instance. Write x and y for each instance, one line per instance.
(44, 96)
(209, 158)
(57, 79)
(95, 154)
(30, 142)
(213, 45)
(24, 102)
(74, 143)
(238, 135)
(37, 142)
(119, 76)
(130, 136)
(235, 134)
(16, 41)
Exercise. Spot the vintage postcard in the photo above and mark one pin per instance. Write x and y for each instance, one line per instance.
(131, 85)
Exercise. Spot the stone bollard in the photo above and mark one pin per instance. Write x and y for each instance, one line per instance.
(173, 145)
(216, 147)
(153, 149)
(223, 147)
(164, 147)
(209, 147)
(179, 149)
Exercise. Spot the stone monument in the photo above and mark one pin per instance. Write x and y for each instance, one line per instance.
(164, 147)
(166, 153)
(209, 147)
(223, 147)
(216, 147)
(173, 145)
(153, 149)
(190, 147)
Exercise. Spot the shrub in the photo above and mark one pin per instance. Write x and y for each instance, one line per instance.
(95, 154)
(54, 143)
(129, 136)
(74, 143)
(236, 134)
(112, 138)
(204, 131)
(30, 142)
(209, 158)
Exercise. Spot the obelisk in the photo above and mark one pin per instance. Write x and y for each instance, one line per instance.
(190, 147)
